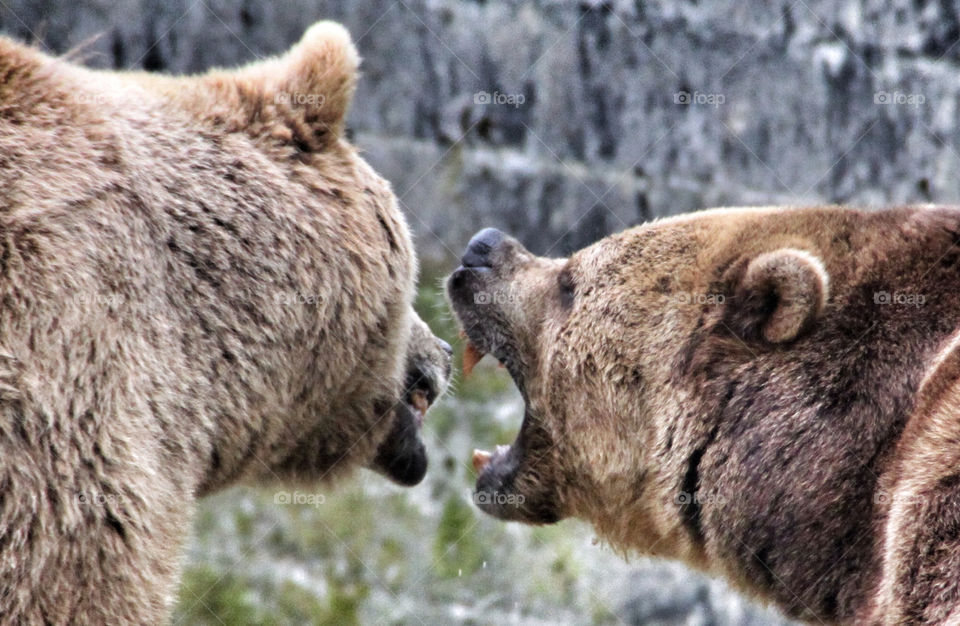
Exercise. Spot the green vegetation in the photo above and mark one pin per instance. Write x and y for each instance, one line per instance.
(210, 597)
(457, 550)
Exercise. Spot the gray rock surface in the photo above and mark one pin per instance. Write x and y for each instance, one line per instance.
(601, 114)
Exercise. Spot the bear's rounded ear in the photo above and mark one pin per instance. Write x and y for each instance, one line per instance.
(318, 76)
(300, 97)
(779, 295)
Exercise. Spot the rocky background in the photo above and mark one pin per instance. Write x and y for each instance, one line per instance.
(561, 121)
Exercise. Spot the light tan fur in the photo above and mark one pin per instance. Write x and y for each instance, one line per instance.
(201, 282)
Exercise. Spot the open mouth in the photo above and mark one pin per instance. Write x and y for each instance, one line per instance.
(472, 355)
(418, 405)
(418, 402)
(402, 456)
(510, 479)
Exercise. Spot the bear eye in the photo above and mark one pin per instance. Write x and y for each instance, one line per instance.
(567, 288)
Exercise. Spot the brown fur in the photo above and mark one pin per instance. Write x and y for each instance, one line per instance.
(201, 283)
(733, 389)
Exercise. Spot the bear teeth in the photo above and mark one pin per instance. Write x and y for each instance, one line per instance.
(419, 401)
(481, 458)
(471, 356)
(420, 404)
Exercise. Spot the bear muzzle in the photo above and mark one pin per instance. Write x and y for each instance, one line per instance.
(401, 456)
(515, 482)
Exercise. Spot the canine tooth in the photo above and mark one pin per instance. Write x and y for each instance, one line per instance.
(480, 460)
(419, 401)
(471, 356)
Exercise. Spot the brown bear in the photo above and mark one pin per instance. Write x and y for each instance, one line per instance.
(771, 395)
(201, 283)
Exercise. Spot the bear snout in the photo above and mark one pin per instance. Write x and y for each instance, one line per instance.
(401, 456)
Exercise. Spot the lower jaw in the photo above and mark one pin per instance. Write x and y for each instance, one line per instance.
(481, 458)
(402, 456)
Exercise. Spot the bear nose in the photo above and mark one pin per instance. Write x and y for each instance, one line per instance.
(481, 248)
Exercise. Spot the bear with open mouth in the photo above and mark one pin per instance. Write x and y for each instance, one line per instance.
(771, 395)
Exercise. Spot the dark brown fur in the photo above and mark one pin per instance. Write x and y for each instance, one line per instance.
(730, 388)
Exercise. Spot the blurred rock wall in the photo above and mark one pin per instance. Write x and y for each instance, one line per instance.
(561, 121)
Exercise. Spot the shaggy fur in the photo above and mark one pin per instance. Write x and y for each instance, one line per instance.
(771, 395)
(201, 283)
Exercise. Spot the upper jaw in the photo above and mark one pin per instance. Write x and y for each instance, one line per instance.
(482, 324)
(513, 481)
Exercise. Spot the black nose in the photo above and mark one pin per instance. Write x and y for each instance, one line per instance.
(445, 346)
(481, 247)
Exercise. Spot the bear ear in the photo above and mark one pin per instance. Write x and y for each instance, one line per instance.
(299, 98)
(779, 295)
(316, 78)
